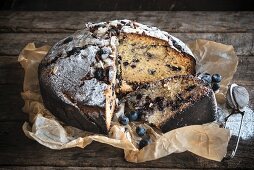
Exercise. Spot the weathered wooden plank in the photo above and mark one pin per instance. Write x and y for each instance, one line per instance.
(11, 103)
(12, 75)
(16, 149)
(76, 168)
(72, 168)
(11, 86)
(12, 43)
(11, 71)
(199, 21)
(22, 151)
(127, 5)
(9, 62)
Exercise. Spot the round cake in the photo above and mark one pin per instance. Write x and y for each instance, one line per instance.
(84, 77)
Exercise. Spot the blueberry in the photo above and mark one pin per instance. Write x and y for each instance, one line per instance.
(67, 40)
(143, 143)
(206, 78)
(125, 63)
(123, 120)
(151, 71)
(133, 115)
(113, 32)
(216, 78)
(141, 116)
(73, 51)
(140, 131)
(135, 60)
(99, 74)
(139, 96)
(160, 106)
(133, 66)
(101, 51)
(159, 99)
(215, 86)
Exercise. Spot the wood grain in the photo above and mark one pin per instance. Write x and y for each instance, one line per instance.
(198, 21)
(16, 149)
(72, 168)
(13, 43)
(112, 5)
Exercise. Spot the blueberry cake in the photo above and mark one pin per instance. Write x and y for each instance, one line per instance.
(173, 102)
(84, 77)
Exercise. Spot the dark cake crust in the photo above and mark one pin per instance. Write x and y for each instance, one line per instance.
(196, 114)
(201, 110)
(68, 87)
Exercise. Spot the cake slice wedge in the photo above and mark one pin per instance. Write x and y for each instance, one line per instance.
(173, 102)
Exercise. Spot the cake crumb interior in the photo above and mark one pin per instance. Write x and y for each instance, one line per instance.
(147, 59)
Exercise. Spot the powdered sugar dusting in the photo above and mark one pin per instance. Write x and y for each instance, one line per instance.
(128, 26)
(233, 122)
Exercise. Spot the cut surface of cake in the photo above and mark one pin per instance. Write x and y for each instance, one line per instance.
(83, 75)
(173, 102)
(146, 59)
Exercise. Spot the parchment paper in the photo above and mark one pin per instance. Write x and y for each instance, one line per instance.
(206, 140)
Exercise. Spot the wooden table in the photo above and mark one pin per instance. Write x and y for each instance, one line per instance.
(19, 28)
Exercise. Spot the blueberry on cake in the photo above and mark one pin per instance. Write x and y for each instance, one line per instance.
(84, 76)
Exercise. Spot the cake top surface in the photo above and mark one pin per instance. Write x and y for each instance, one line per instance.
(89, 55)
(128, 26)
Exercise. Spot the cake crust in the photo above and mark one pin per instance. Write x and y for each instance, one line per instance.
(196, 114)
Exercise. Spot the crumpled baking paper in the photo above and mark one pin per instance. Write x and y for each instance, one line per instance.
(208, 140)
(215, 58)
